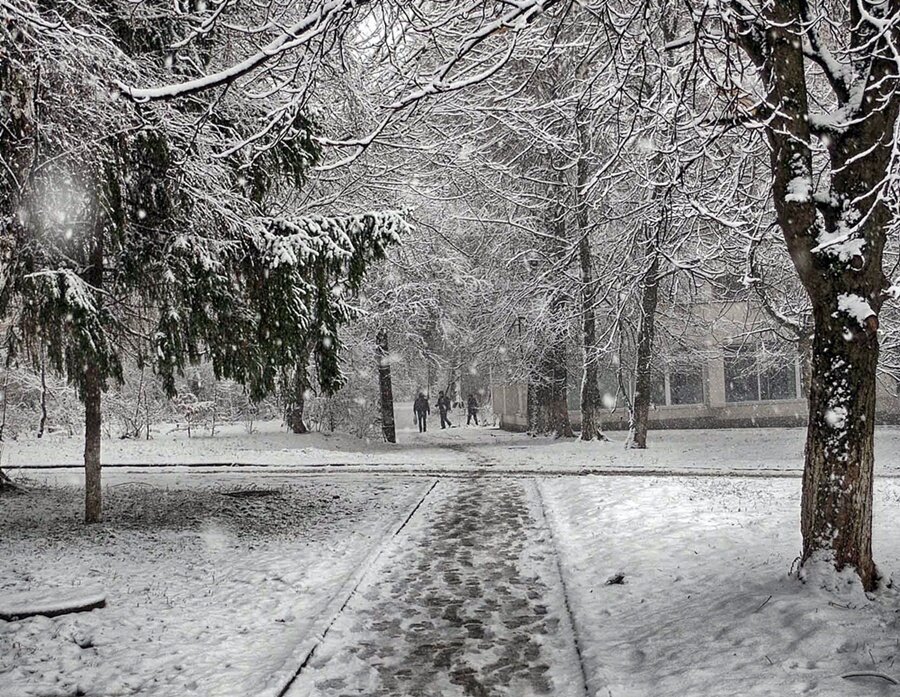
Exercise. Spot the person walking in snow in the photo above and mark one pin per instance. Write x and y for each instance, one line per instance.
(421, 409)
(471, 410)
(443, 405)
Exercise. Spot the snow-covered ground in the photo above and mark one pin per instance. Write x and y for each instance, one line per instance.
(207, 593)
(761, 451)
(707, 606)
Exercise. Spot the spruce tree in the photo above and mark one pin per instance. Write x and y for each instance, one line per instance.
(122, 237)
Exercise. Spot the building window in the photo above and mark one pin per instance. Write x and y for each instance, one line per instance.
(686, 385)
(751, 376)
(778, 382)
(658, 389)
(679, 384)
(741, 380)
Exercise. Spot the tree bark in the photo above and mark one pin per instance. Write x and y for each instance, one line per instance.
(836, 514)
(845, 281)
(296, 403)
(531, 399)
(643, 373)
(386, 392)
(590, 390)
(43, 423)
(5, 396)
(5, 482)
(92, 390)
(92, 423)
(551, 408)
(560, 426)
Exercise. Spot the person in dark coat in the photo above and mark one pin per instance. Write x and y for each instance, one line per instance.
(443, 405)
(471, 410)
(421, 409)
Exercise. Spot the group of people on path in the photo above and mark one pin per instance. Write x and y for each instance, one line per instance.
(422, 409)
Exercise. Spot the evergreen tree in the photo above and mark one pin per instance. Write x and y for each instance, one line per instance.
(121, 236)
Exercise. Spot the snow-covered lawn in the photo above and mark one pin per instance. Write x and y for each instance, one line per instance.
(210, 594)
(763, 450)
(207, 593)
(707, 606)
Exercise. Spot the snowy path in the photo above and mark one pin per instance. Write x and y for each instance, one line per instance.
(468, 601)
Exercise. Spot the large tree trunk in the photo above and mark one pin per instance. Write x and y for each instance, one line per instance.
(385, 390)
(836, 516)
(643, 374)
(847, 295)
(845, 280)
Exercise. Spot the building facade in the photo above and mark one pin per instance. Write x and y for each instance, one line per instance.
(725, 373)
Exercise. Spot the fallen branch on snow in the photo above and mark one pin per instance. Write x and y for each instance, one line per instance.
(882, 676)
(50, 603)
(763, 604)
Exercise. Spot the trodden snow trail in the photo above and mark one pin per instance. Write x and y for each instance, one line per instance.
(469, 602)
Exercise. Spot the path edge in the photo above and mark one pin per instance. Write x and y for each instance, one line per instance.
(590, 689)
(284, 678)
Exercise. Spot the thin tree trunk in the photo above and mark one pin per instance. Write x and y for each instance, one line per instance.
(43, 423)
(643, 379)
(386, 391)
(590, 391)
(92, 424)
(5, 482)
(296, 402)
(215, 410)
(137, 407)
(5, 402)
(560, 426)
(92, 392)
(531, 404)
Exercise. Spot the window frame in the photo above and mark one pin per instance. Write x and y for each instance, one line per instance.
(743, 351)
(703, 371)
